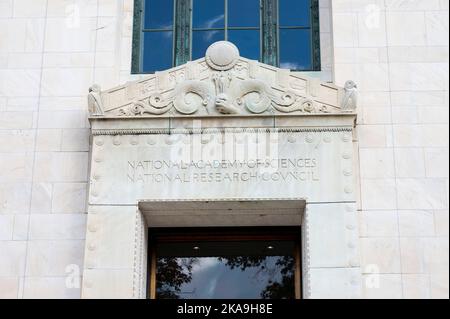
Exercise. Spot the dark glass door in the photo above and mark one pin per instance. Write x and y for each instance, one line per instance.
(225, 264)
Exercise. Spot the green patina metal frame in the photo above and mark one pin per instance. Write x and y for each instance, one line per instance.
(182, 31)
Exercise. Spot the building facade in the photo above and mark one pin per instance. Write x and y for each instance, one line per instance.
(348, 152)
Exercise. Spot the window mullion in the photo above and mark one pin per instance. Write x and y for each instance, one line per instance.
(182, 31)
(226, 20)
(315, 35)
(136, 58)
(269, 32)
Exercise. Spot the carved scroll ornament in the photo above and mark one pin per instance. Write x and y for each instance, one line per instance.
(222, 83)
(216, 97)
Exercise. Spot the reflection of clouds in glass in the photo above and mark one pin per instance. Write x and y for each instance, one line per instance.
(208, 24)
(164, 26)
(291, 65)
(168, 35)
(212, 286)
(206, 272)
(203, 264)
(212, 278)
(207, 36)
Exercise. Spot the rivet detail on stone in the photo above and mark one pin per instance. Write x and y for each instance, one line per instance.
(206, 139)
(116, 140)
(90, 265)
(346, 137)
(134, 140)
(151, 141)
(347, 172)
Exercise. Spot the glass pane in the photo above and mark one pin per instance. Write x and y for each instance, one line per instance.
(294, 13)
(247, 41)
(158, 14)
(157, 54)
(201, 40)
(295, 49)
(208, 14)
(223, 270)
(243, 13)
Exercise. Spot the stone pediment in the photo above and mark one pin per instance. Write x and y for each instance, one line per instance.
(222, 84)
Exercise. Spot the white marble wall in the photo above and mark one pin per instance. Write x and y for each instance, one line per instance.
(397, 53)
(51, 51)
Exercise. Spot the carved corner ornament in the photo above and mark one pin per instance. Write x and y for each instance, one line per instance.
(222, 83)
(95, 104)
(350, 98)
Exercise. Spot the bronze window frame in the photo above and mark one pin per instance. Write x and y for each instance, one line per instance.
(182, 34)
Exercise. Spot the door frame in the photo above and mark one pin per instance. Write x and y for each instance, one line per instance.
(231, 234)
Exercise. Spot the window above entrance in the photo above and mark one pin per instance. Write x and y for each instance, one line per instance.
(282, 33)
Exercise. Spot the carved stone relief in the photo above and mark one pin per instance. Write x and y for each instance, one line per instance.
(95, 103)
(222, 83)
(350, 97)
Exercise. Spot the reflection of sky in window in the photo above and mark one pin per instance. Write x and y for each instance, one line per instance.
(295, 49)
(243, 13)
(212, 279)
(157, 53)
(294, 13)
(158, 14)
(247, 41)
(208, 14)
(201, 40)
(208, 24)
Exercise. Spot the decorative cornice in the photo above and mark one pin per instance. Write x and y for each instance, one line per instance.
(218, 130)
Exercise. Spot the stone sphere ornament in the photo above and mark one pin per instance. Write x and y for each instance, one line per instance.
(222, 55)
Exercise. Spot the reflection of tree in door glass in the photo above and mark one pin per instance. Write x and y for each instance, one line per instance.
(265, 277)
(171, 274)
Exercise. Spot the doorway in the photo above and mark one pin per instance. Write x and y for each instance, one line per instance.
(224, 263)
